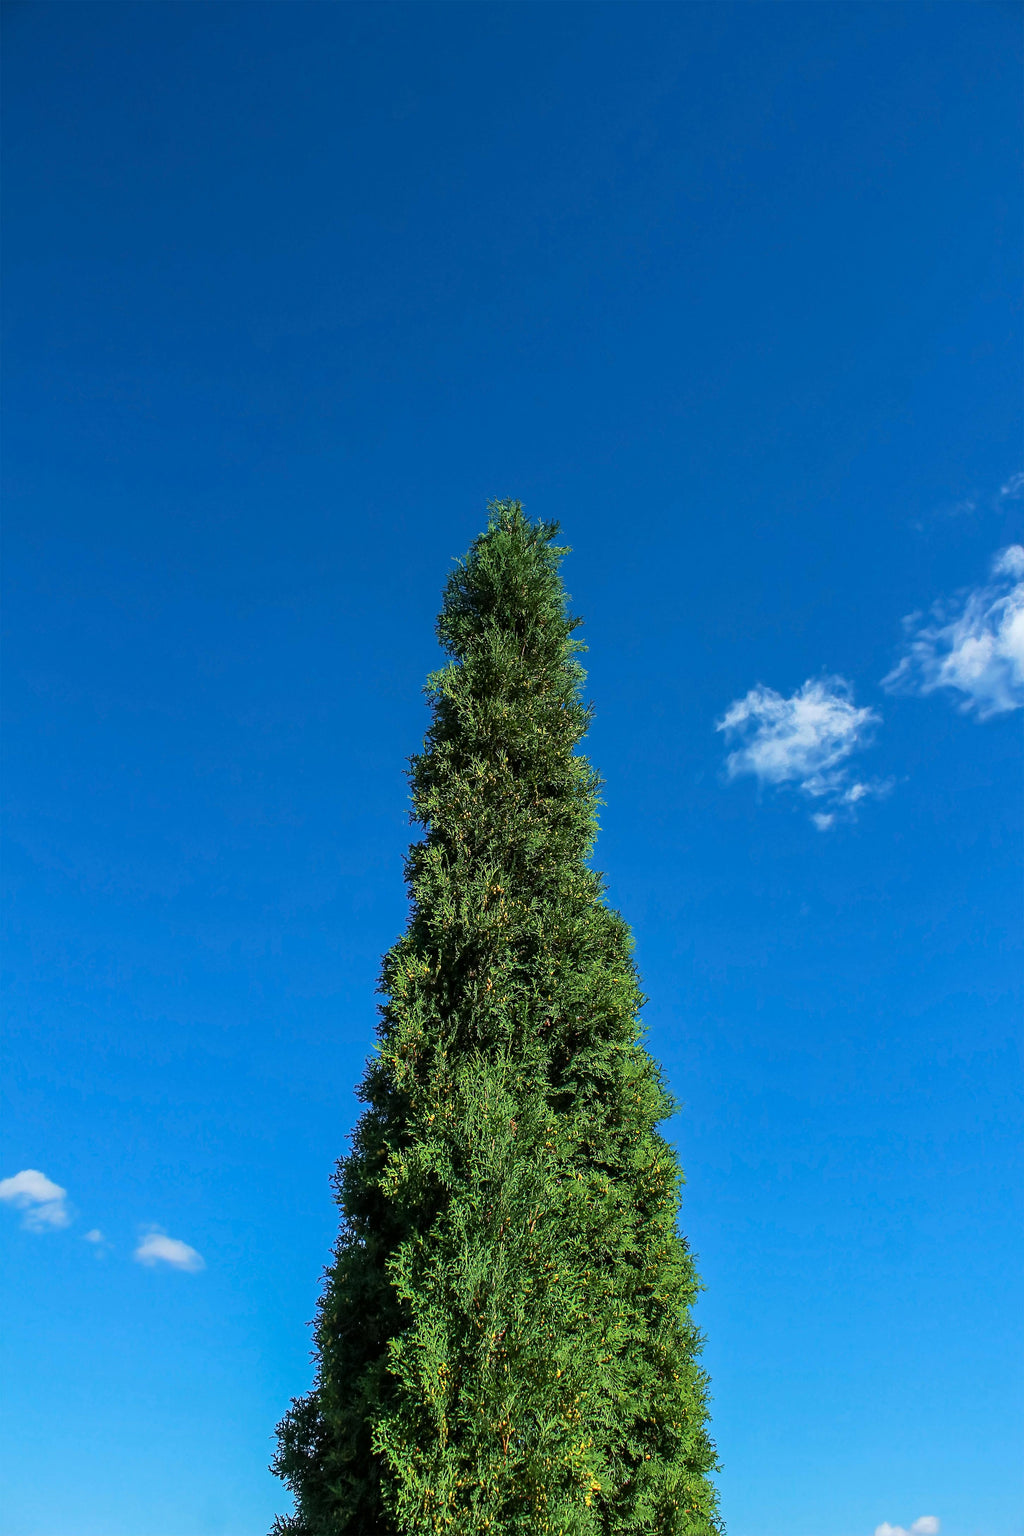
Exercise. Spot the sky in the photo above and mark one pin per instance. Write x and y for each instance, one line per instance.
(732, 291)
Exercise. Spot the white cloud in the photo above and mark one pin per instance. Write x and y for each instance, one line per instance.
(804, 741)
(43, 1201)
(926, 1525)
(973, 645)
(1013, 488)
(157, 1248)
(95, 1236)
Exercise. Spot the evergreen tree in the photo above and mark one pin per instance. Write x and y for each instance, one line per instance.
(504, 1340)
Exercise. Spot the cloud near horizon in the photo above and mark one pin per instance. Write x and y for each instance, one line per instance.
(157, 1248)
(43, 1202)
(804, 741)
(925, 1525)
(972, 645)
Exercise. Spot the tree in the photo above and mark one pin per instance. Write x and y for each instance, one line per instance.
(504, 1339)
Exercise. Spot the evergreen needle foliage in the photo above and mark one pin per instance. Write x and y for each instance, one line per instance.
(504, 1340)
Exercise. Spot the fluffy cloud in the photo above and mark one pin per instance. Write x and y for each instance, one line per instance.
(157, 1248)
(804, 741)
(973, 645)
(926, 1525)
(43, 1201)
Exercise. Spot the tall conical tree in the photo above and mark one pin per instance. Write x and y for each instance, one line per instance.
(504, 1340)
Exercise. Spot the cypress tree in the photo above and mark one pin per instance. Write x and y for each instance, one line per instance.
(504, 1341)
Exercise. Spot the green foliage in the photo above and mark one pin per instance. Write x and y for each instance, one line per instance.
(504, 1341)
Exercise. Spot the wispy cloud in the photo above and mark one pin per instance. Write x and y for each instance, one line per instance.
(157, 1248)
(804, 741)
(926, 1525)
(972, 644)
(43, 1201)
(976, 501)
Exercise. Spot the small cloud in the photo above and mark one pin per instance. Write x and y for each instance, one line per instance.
(976, 502)
(95, 1236)
(804, 741)
(157, 1248)
(43, 1201)
(972, 645)
(926, 1525)
(962, 508)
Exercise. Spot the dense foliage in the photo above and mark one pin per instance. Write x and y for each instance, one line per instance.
(504, 1340)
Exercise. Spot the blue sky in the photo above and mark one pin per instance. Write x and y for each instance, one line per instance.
(292, 290)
